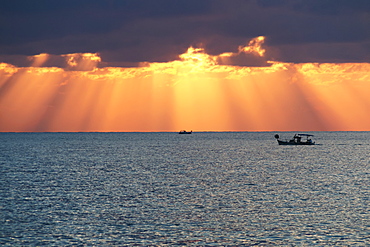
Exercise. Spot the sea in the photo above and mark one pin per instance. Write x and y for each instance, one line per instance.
(166, 189)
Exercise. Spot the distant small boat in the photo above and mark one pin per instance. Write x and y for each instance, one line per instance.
(297, 140)
(185, 132)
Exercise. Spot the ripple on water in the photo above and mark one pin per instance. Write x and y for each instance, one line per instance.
(165, 189)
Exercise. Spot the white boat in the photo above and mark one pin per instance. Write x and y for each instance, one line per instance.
(296, 140)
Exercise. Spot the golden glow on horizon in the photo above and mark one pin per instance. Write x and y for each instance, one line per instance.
(191, 93)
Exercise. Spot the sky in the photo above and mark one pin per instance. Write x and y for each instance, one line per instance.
(201, 65)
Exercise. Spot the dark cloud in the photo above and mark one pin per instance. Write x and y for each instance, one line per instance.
(319, 7)
(131, 31)
(49, 19)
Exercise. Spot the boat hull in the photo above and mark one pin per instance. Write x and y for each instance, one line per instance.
(295, 143)
(182, 132)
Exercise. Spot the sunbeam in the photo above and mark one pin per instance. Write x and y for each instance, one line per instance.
(199, 92)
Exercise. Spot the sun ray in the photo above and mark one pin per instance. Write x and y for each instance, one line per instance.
(194, 92)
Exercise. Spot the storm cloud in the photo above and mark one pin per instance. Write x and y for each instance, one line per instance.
(125, 33)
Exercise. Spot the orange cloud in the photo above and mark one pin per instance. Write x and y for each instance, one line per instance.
(82, 61)
(195, 92)
(39, 60)
(254, 46)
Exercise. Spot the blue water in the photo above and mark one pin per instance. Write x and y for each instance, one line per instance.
(165, 189)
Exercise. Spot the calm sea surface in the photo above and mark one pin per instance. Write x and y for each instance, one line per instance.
(165, 189)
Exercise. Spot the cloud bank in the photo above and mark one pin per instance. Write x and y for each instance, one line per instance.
(126, 33)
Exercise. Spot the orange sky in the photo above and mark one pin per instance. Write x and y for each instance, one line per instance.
(194, 93)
